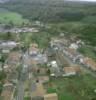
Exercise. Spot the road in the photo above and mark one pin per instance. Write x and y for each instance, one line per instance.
(32, 85)
(20, 91)
(62, 59)
(23, 77)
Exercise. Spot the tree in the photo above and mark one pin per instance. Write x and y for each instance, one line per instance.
(11, 24)
(38, 71)
(48, 72)
(7, 26)
(2, 75)
(1, 88)
(2, 60)
(8, 36)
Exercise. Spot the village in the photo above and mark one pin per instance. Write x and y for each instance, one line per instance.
(28, 71)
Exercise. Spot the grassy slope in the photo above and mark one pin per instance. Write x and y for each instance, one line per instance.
(76, 88)
(7, 17)
(51, 10)
(88, 51)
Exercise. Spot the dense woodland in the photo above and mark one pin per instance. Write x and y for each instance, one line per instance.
(52, 10)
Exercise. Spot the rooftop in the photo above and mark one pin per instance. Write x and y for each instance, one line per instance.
(73, 69)
(91, 63)
(52, 96)
(14, 56)
(40, 91)
(7, 93)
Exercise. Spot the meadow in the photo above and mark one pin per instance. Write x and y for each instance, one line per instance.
(73, 88)
(7, 17)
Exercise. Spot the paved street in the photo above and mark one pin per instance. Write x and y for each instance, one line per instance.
(23, 77)
(20, 92)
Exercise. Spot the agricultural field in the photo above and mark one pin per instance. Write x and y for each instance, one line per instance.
(73, 88)
(7, 17)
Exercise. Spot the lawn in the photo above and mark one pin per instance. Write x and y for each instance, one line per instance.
(7, 17)
(88, 51)
(26, 38)
(73, 88)
(27, 98)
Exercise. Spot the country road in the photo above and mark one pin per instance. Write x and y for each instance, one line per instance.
(23, 77)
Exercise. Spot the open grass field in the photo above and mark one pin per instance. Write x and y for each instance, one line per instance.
(88, 51)
(73, 88)
(7, 17)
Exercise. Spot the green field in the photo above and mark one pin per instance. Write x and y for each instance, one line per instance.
(41, 38)
(73, 88)
(11, 17)
(88, 51)
(84, 31)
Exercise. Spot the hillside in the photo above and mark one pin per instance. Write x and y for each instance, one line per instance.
(74, 17)
(52, 10)
(8, 17)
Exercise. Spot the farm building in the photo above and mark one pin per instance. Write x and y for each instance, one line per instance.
(52, 96)
(68, 71)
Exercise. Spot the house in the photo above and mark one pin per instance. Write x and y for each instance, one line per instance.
(38, 98)
(5, 51)
(42, 71)
(8, 44)
(36, 55)
(74, 46)
(55, 71)
(80, 42)
(39, 90)
(20, 30)
(8, 92)
(33, 30)
(72, 54)
(62, 34)
(90, 63)
(43, 79)
(50, 52)
(1, 67)
(33, 49)
(32, 66)
(38, 23)
(55, 42)
(7, 68)
(41, 58)
(54, 64)
(12, 62)
(14, 58)
(68, 71)
(29, 61)
(52, 96)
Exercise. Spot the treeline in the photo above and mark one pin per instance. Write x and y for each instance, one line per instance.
(51, 10)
